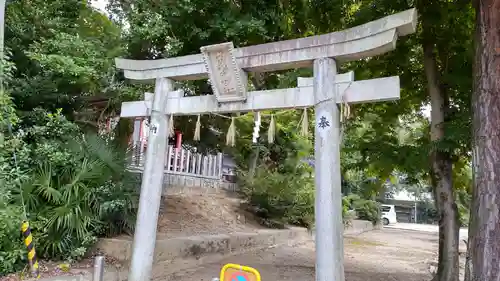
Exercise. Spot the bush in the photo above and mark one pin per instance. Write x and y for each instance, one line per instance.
(75, 188)
(367, 210)
(286, 198)
(347, 214)
(91, 195)
(351, 199)
(12, 249)
(345, 206)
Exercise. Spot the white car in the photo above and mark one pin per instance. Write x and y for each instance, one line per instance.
(388, 214)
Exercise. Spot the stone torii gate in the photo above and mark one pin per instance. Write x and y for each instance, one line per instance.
(226, 68)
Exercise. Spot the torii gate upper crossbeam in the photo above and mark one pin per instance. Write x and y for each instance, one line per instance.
(367, 40)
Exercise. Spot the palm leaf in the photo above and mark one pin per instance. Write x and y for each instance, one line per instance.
(43, 184)
(97, 148)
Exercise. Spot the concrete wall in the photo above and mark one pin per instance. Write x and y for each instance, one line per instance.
(173, 183)
(179, 181)
(358, 226)
(203, 245)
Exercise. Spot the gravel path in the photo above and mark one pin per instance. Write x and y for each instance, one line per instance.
(387, 254)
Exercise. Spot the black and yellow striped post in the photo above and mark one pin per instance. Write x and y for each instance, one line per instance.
(28, 241)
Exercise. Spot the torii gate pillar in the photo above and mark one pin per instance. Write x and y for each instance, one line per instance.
(328, 203)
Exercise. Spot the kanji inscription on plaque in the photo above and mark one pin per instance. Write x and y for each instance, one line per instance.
(227, 79)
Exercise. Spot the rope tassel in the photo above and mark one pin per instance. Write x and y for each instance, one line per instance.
(345, 111)
(171, 131)
(304, 130)
(271, 133)
(28, 241)
(231, 134)
(197, 129)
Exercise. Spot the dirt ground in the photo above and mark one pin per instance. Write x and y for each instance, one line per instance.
(381, 255)
(196, 213)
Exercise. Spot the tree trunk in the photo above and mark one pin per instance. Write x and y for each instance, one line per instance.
(484, 229)
(441, 173)
(253, 162)
(123, 131)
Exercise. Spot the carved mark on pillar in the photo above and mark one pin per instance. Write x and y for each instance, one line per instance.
(154, 129)
(323, 123)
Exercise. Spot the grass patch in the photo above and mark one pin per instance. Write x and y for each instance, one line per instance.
(361, 242)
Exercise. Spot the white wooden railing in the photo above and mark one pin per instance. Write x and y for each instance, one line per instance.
(183, 161)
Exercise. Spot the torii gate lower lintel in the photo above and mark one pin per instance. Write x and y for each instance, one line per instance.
(226, 68)
(380, 89)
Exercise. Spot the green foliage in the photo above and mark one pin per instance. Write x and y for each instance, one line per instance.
(345, 205)
(79, 190)
(462, 180)
(77, 186)
(7, 112)
(12, 249)
(368, 210)
(365, 209)
(288, 198)
(63, 53)
(351, 199)
(347, 214)
(427, 212)
(282, 187)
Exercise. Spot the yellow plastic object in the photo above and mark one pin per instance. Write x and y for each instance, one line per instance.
(236, 272)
